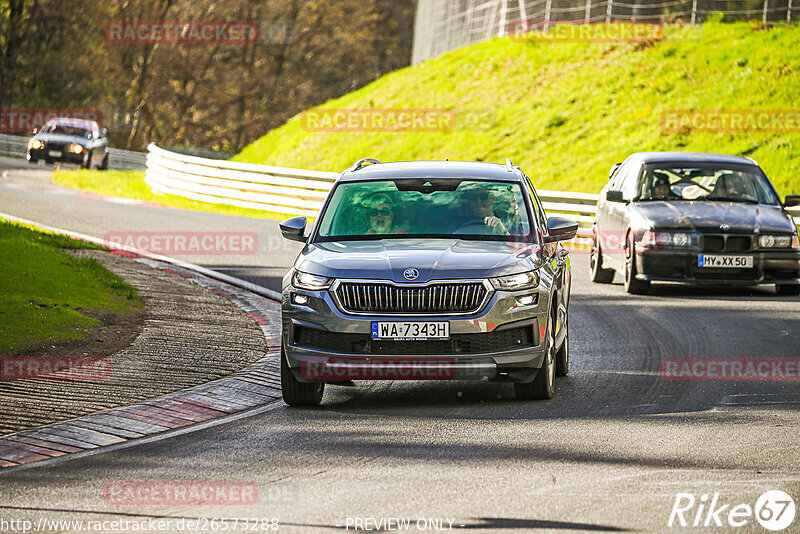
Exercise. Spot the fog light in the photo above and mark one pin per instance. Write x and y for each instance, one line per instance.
(300, 300)
(527, 300)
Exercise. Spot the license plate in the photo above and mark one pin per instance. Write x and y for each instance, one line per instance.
(54, 154)
(411, 330)
(732, 262)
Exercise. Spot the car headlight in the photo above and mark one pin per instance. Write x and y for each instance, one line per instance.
(653, 238)
(75, 148)
(313, 282)
(514, 282)
(35, 144)
(776, 241)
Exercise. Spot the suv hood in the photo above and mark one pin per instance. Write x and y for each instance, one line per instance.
(708, 216)
(435, 259)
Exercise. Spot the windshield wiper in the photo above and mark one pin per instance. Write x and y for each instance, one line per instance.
(729, 199)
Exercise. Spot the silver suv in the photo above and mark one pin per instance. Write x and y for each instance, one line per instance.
(427, 271)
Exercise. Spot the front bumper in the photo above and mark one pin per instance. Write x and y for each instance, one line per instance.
(63, 156)
(673, 265)
(502, 341)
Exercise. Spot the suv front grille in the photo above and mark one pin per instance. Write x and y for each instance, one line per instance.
(511, 338)
(375, 297)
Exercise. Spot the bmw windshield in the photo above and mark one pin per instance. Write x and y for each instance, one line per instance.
(730, 183)
(426, 208)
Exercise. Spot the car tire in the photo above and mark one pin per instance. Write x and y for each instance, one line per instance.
(632, 284)
(790, 290)
(562, 356)
(599, 274)
(104, 165)
(87, 160)
(296, 393)
(543, 385)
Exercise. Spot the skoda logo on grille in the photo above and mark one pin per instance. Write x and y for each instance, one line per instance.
(724, 227)
(411, 274)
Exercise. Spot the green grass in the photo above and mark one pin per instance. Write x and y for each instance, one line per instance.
(567, 111)
(131, 184)
(45, 292)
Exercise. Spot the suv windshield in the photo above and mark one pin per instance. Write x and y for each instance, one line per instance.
(733, 183)
(421, 207)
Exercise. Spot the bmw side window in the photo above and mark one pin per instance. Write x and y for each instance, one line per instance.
(619, 176)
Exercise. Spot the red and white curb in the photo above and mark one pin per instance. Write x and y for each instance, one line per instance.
(253, 386)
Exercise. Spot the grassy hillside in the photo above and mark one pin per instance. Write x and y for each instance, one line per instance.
(47, 294)
(567, 111)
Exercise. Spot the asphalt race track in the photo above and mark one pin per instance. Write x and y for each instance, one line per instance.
(610, 453)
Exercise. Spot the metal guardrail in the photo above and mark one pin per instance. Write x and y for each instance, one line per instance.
(301, 192)
(14, 146)
(247, 185)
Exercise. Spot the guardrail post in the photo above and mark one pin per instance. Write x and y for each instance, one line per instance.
(766, 8)
(588, 14)
(694, 12)
(609, 7)
(789, 13)
(547, 8)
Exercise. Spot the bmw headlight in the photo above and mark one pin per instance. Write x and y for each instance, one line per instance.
(75, 148)
(313, 282)
(35, 144)
(775, 241)
(514, 282)
(653, 238)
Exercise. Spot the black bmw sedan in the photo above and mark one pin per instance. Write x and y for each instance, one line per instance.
(697, 218)
(72, 141)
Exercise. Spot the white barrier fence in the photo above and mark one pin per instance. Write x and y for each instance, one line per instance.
(15, 146)
(300, 192)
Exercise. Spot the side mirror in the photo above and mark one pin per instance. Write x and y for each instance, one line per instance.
(35, 131)
(294, 229)
(614, 196)
(613, 170)
(792, 200)
(560, 229)
(104, 132)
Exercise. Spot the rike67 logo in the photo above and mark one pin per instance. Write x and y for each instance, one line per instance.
(774, 510)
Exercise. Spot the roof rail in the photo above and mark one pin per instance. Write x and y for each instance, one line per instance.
(509, 166)
(362, 163)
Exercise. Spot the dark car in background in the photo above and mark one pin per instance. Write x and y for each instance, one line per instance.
(427, 271)
(697, 218)
(68, 140)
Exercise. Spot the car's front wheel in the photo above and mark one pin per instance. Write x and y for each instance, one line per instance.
(87, 160)
(543, 386)
(600, 275)
(562, 356)
(296, 393)
(788, 289)
(104, 165)
(633, 285)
